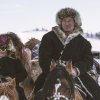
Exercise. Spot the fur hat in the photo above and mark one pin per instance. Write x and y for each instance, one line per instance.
(68, 12)
(6, 43)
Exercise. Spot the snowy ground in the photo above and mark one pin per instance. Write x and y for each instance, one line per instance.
(98, 60)
(95, 44)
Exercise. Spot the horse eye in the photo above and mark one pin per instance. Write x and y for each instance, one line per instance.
(49, 91)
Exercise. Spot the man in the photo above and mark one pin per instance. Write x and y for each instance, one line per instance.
(10, 66)
(67, 37)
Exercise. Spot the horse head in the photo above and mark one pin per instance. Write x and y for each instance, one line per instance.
(59, 84)
(8, 88)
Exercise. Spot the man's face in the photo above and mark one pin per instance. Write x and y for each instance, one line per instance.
(3, 53)
(68, 24)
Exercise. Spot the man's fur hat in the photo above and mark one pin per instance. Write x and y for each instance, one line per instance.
(68, 12)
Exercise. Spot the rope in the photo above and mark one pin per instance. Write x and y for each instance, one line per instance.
(85, 87)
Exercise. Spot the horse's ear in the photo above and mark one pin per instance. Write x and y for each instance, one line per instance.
(53, 65)
(69, 66)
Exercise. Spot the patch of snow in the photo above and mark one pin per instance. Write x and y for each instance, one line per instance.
(95, 44)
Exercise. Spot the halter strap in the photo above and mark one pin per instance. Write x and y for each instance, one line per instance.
(61, 53)
(57, 94)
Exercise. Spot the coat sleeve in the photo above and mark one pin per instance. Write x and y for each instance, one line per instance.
(86, 62)
(21, 73)
(45, 53)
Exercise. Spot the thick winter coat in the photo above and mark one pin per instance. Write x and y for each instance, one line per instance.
(78, 49)
(13, 68)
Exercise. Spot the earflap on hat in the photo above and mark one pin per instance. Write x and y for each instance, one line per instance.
(11, 46)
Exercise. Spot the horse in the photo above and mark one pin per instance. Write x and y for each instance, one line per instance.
(59, 85)
(32, 69)
(8, 89)
(28, 87)
(28, 83)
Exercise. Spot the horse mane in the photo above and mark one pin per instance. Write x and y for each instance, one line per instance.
(58, 72)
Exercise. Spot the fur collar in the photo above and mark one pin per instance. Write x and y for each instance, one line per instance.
(62, 37)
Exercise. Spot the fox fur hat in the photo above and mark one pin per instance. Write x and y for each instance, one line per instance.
(68, 12)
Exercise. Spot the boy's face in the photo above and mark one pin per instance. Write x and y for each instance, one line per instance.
(68, 24)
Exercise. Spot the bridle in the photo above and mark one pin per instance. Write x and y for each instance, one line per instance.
(4, 96)
(57, 95)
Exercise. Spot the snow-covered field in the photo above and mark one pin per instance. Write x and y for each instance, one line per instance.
(95, 44)
(25, 36)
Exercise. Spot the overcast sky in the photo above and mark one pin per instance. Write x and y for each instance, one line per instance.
(22, 15)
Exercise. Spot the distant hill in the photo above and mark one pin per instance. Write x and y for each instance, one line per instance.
(36, 30)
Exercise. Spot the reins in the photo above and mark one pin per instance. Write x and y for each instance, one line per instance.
(30, 94)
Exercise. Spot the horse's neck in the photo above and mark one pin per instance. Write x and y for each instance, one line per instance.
(3, 97)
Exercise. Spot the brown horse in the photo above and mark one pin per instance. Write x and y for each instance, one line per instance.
(33, 72)
(28, 87)
(59, 85)
(8, 89)
(28, 83)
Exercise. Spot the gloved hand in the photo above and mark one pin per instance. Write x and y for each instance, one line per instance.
(73, 72)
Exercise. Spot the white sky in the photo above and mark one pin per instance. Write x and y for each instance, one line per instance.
(22, 15)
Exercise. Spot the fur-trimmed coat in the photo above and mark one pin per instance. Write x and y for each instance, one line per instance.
(78, 49)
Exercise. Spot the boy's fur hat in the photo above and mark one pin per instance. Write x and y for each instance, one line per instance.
(68, 12)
